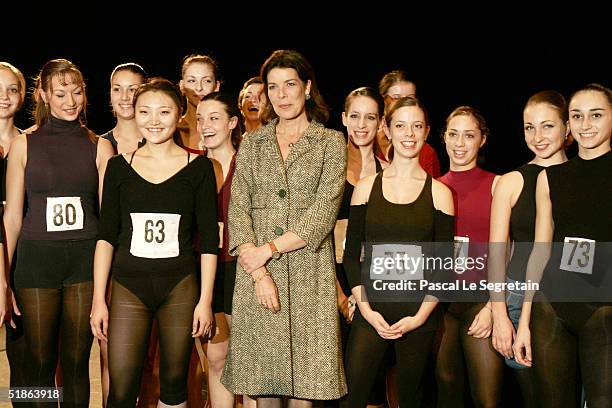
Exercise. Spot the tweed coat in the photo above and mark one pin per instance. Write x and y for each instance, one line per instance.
(297, 351)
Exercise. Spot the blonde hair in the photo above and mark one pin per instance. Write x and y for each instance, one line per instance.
(21, 83)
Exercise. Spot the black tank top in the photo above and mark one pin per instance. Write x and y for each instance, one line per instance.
(60, 175)
(522, 222)
(411, 223)
(581, 193)
(343, 214)
(111, 138)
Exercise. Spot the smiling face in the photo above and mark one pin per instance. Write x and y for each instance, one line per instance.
(66, 98)
(544, 128)
(123, 85)
(408, 130)
(590, 120)
(287, 93)
(214, 124)
(198, 81)
(249, 105)
(156, 116)
(10, 94)
(362, 120)
(463, 139)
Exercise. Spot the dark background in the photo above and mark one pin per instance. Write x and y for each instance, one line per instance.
(493, 71)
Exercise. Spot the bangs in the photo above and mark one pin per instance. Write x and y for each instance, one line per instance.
(67, 77)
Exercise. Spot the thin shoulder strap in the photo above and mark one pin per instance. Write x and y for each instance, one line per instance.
(378, 164)
(132, 157)
(376, 192)
(187, 156)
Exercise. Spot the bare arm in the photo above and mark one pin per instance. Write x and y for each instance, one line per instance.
(15, 194)
(102, 265)
(535, 267)
(208, 264)
(504, 199)
(3, 288)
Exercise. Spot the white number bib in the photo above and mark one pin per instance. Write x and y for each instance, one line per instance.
(461, 250)
(155, 235)
(64, 214)
(578, 255)
(396, 262)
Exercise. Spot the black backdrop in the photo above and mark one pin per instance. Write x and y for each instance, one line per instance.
(488, 70)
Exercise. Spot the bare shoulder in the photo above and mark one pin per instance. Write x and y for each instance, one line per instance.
(442, 197)
(105, 147)
(495, 180)
(509, 185)
(19, 147)
(20, 142)
(361, 194)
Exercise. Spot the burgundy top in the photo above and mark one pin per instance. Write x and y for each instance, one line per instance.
(472, 198)
(428, 159)
(195, 151)
(223, 198)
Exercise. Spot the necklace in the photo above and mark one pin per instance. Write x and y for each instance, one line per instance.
(281, 135)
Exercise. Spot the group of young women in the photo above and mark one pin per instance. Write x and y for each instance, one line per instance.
(256, 242)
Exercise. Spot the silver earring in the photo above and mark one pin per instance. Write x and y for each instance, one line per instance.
(307, 96)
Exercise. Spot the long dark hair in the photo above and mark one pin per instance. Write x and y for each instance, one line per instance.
(232, 110)
(316, 108)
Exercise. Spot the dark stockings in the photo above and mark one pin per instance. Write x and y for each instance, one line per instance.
(365, 353)
(58, 319)
(582, 338)
(129, 331)
(485, 366)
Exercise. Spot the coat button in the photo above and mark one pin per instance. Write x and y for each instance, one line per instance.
(282, 193)
(278, 231)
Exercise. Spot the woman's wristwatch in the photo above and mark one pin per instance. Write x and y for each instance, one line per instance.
(275, 253)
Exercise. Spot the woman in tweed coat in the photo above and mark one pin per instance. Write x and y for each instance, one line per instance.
(286, 191)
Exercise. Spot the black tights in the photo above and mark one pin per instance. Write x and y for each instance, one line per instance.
(581, 339)
(58, 319)
(16, 352)
(485, 366)
(525, 378)
(129, 331)
(365, 353)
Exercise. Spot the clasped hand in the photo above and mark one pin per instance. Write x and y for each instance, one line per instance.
(267, 292)
(394, 331)
(254, 258)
